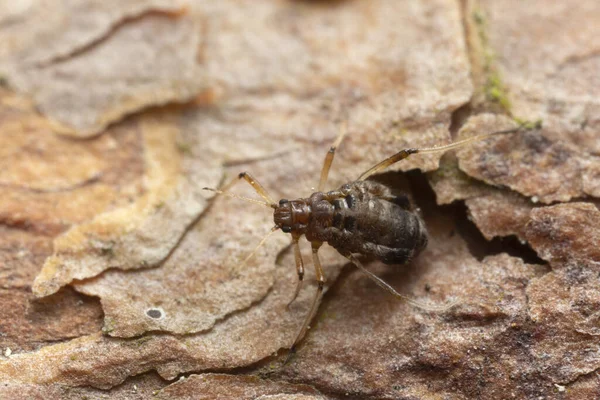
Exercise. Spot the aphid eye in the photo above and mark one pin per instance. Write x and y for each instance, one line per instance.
(282, 202)
(286, 228)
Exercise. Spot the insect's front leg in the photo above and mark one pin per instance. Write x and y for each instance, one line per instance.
(299, 266)
(329, 157)
(313, 308)
(258, 188)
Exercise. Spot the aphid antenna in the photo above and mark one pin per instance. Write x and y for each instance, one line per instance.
(472, 139)
(236, 196)
(402, 154)
(263, 240)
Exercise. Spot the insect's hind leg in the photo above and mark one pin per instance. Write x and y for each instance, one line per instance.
(381, 283)
(313, 308)
(299, 267)
(329, 157)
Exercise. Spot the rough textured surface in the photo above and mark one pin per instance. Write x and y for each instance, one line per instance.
(547, 57)
(121, 217)
(393, 92)
(463, 352)
(221, 387)
(146, 386)
(566, 234)
(564, 303)
(539, 72)
(243, 338)
(451, 184)
(202, 281)
(531, 163)
(42, 31)
(144, 62)
(27, 324)
(537, 169)
(50, 182)
(534, 62)
(500, 213)
(137, 388)
(586, 387)
(144, 232)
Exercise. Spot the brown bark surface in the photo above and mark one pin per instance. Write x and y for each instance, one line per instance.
(121, 278)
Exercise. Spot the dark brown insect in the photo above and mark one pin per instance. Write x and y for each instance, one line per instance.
(361, 217)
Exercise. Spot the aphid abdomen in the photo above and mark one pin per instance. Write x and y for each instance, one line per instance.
(382, 227)
(405, 239)
(389, 255)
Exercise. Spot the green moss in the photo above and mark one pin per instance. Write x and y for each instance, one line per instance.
(496, 92)
(537, 124)
(494, 89)
(109, 326)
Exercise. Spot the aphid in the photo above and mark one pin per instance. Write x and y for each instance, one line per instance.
(360, 217)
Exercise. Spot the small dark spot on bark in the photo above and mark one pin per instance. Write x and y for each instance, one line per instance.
(154, 313)
(536, 142)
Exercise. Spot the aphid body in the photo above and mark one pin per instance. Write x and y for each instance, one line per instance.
(361, 217)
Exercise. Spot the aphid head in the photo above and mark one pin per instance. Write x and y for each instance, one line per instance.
(283, 216)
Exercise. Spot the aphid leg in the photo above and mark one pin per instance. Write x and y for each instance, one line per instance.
(402, 154)
(262, 192)
(299, 267)
(381, 283)
(329, 157)
(313, 308)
